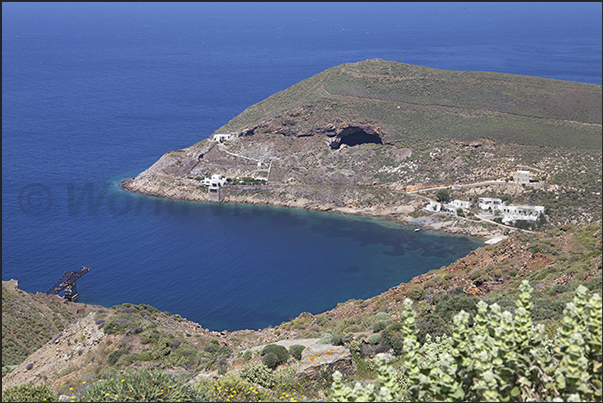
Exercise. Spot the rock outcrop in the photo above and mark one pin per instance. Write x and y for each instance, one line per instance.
(317, 357)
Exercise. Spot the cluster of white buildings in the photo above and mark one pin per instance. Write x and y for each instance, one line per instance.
(495, 207)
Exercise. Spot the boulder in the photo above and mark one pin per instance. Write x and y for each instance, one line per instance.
(318, 356)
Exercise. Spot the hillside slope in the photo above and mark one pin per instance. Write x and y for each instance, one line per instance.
(107, 341)
(30, 320)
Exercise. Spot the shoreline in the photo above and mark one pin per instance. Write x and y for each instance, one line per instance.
(431, 223)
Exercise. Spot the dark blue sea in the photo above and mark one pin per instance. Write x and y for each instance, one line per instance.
(93, 93)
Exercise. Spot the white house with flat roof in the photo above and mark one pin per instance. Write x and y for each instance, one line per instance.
(522, 177)
(521, 212)
(434, 206)
(486, 203)
(461, 204)
(451, 207)
(221, 137)
(215, 181)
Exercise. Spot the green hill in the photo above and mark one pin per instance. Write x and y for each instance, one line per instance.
(410, 102)
(362, 138)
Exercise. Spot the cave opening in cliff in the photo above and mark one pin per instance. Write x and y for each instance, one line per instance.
(353, 136)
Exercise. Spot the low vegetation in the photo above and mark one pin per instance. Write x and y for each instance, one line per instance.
(525, 282)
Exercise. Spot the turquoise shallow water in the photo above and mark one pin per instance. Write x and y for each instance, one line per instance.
(94, 93)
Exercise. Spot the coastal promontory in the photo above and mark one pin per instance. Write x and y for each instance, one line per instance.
(374, 137)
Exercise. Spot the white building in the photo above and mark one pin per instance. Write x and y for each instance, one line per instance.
(522, 177)
(486, 202)
(451, 207)
(215, 181)
(521, 212)
(221, 137)
(434, 206)
(461, 204)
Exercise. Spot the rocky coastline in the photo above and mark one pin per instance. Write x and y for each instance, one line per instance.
(400, 214)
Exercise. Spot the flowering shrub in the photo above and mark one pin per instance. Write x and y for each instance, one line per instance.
(141, 386)
(230, 388)
(28, 393)
(503, 357)
(259, 374)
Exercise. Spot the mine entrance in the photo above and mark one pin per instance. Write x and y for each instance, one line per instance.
(353, 136)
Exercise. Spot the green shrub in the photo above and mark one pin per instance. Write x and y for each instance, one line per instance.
(379, 326)
(217, 349)
(162, 348)
(259, 374)
(415, 292)
(449, 305)
(28, 393)
(296, 351)
(270, 360)
(558, 289)
(115, 355)
(337, 340)
(112, 326)
(222, 366)
(281, 352)
(374, 339)
(141, 386)
(149, 336)
(383, 316)
(185, 356)
(321, 320)
(247, 355)
(547, 308)
(395, 342)
(325, 338)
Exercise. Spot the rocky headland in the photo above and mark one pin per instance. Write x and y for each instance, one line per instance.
(363, 138)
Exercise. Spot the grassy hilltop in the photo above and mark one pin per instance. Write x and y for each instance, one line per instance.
(409, 102)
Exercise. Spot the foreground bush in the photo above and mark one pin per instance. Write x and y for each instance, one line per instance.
(28, 393)
(259, 374)
(296, 351)
(274, 355)
(230, 388)
(503, 357)
(141, 386)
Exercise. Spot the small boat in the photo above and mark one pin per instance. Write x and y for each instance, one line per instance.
(417, 229)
